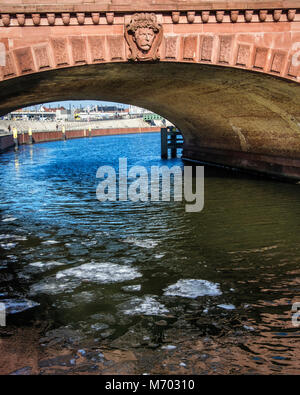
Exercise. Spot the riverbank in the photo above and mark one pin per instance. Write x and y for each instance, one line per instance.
(7, 140)
(44, 131)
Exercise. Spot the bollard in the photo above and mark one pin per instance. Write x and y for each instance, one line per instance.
(164, 143)
(30, 136)
(15, 137)
(64, 133)
(90, 131)
(173, 143)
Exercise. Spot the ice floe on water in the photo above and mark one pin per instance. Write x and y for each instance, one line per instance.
(146, 243)
(169, 347)
(132, 288)
(9, 219)
(52, 287)
(4, 237)
(227, 306)
(20, 238)
(50, 242)
(101, 273)
(8, 246)
(99, 326)
(13, 237)
(89, 243)
(147, 306)
(14, 306)
(193, 288)
(45, 265)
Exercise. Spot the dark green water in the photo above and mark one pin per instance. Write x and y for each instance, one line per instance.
(102, 268)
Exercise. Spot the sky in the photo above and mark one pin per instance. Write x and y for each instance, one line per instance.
(77, 103)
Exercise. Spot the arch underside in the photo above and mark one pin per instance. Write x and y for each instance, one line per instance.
(228, 116)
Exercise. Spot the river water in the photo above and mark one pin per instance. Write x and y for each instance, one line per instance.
(103, 270)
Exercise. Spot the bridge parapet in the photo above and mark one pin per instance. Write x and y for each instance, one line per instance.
(262, 36)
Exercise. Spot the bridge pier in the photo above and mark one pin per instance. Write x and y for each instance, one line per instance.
(164, 143)
(171, 139)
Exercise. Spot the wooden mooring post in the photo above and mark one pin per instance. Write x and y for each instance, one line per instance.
(170, 138)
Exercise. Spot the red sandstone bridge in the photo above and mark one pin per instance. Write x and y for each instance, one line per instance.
(226, 73)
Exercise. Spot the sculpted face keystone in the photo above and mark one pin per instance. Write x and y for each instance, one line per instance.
(143, 35)
(144, 38)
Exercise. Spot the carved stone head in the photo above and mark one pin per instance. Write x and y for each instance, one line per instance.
(143, 35)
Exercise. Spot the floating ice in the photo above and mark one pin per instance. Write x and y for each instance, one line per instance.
(8, 246)
(146, 243)
(132, 288)
(14, 306)
(89, 243)
(13, 237)
(147, 306)
(46, 265)
(99, 327)
(169, 347)
(49, 242)
(193, 289)
(3, 237)
(9, 219)
(20, 238)
(51, 287)
(248, 328)
(227, 306)
(102, 273)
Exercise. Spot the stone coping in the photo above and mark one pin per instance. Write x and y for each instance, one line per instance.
(120, 6)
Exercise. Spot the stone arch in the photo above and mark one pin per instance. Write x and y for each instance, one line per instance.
(228, 77)
(228, 116)
(275, 53)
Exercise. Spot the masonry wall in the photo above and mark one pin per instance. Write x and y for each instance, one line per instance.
(7, 142)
